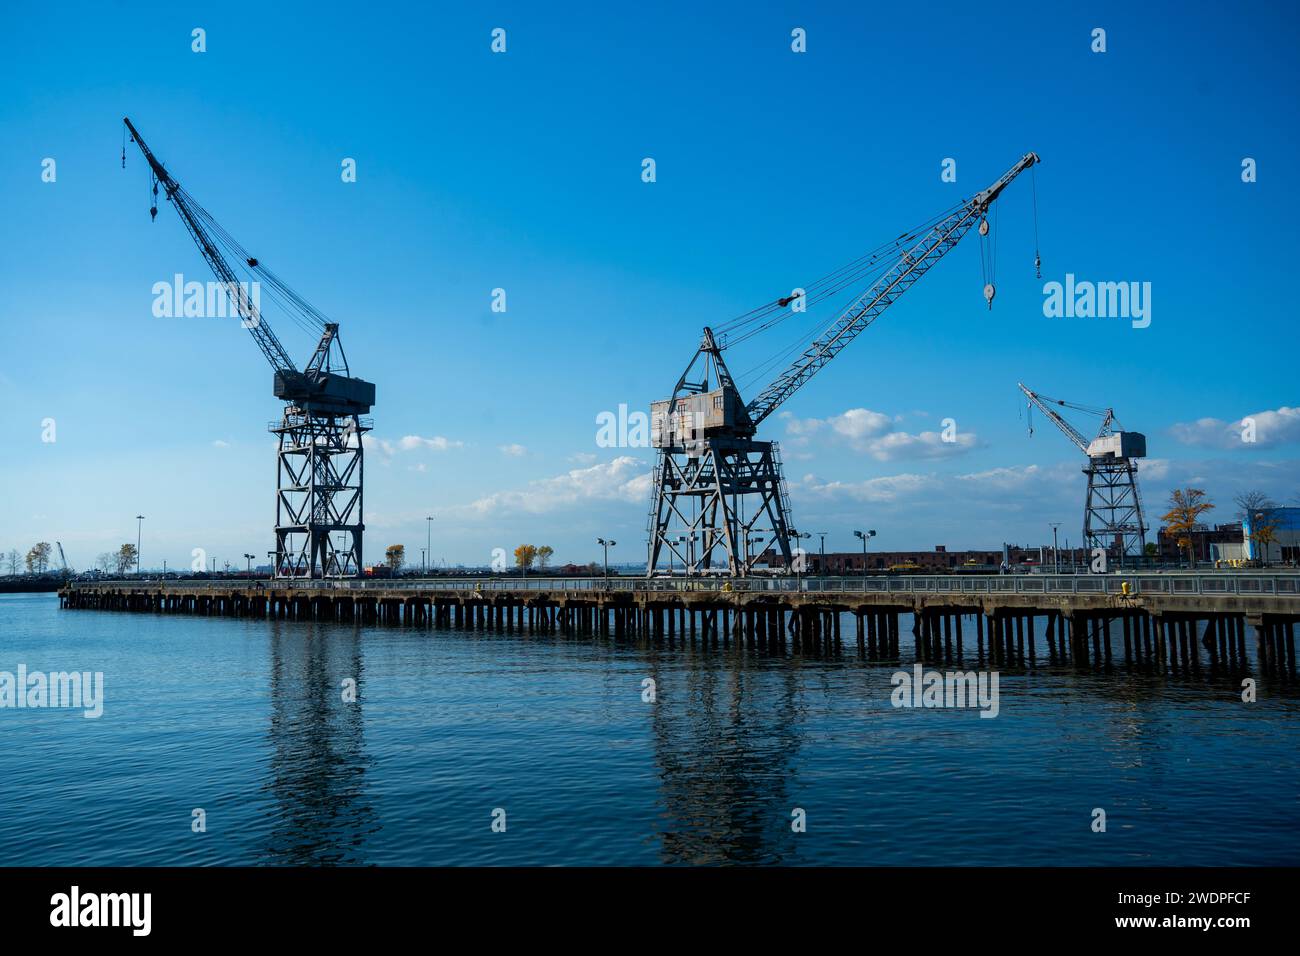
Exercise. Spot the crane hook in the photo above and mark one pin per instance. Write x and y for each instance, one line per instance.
(989, 293)
(1038, 265)
(984, 227)
(153, 213)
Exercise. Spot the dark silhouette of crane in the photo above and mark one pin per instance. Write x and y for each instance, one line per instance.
(319, 518)
(717, 485)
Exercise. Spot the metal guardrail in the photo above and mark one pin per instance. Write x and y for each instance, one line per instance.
(1286, 585)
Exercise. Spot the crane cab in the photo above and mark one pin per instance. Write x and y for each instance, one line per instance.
(695, 417)
(1118, 445)
(325, 392)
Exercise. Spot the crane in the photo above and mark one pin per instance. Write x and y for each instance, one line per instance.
(714, 482)
(320, 458)
(64, 559)
(1112, 512)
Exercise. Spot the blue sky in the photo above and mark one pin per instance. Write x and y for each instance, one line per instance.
(522, 171)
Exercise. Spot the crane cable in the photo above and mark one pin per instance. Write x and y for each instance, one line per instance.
(1033, 182)
(306, 316)
(867, 265)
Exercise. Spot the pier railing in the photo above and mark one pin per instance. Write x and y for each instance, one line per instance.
(1137, 584)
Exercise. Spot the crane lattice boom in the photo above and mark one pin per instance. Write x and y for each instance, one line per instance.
(911, 264)
(194, 217)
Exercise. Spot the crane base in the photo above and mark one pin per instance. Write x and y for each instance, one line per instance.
(1112, 520)
(719, 506)
(318, 525)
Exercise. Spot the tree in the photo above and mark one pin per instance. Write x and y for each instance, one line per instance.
(1151, 549)
(395, 557)
(525, 555)
(38, 558)
(125, 558)
(1263, 531)
(544, 556)
(13, 561)
(1257, 511)
(106, 562)
(1184, 515)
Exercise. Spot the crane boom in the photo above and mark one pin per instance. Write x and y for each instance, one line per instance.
(911, 264)
(1070, 432)
(193, 215)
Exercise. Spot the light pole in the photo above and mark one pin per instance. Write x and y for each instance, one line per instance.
(799, 560)
(607, 545)
(139, 537)
(250, 563)
(864, 535)
(1056, 554)
(428, 542)
(822, 568)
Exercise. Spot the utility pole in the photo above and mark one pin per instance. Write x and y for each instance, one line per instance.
(250, 563)
(1056, 554)
(822, 569)
(139, 536)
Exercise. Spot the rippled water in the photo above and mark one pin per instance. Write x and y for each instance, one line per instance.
(245, 719)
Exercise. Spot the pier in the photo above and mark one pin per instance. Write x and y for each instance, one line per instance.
(1178, 621)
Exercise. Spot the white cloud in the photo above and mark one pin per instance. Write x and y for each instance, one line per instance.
(220, 444)
(623, 480)
(582, 458)
(874, 434)
(388, 448)
(1270, 428)
(514, 451)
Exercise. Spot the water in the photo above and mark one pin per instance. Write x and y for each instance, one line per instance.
(245, 720)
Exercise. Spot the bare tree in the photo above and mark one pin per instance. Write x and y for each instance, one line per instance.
(13, 560)
(1254, 509)
(106, 562)
(1251, 502)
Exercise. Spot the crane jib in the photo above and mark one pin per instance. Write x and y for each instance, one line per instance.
(910, 266)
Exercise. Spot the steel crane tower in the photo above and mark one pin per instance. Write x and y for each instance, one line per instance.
(715, 483)
(1112, 511)
(321, 455)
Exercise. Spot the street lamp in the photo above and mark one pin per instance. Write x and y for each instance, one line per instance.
(864, 535)
(139, 525)
(428, 542)
(822, 569)
(1056, 554)
(607, 545)
(250, 562)
(799, 560)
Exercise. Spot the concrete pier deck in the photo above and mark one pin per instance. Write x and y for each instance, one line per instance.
(1165, 617)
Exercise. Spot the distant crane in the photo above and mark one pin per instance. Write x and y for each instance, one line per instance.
(1112, 511)
(714, 482)
(63, 558)
(320, 458)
